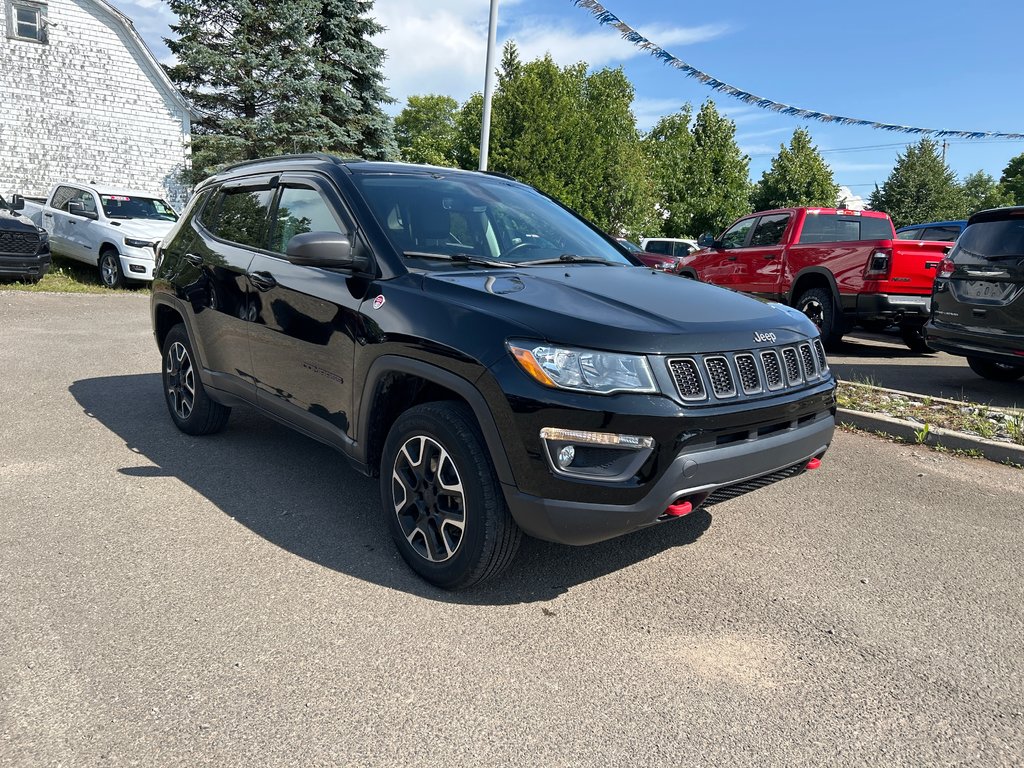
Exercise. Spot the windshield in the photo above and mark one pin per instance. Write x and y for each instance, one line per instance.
(631, 246)
(125, 207)
(483, 217)
(990, 240)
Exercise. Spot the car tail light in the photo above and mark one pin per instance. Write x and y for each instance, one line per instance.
(879, 263)
(946, 268)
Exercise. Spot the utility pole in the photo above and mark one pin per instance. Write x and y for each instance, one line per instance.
(944, 145)
(485, 126)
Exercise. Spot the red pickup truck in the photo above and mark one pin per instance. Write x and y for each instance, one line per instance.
(839, 267)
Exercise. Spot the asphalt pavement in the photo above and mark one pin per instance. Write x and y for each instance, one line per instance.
(234, 600)
(883, 359)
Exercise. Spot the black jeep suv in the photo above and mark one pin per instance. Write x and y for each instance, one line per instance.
(24, 247)
(978, 296)
(500, 363)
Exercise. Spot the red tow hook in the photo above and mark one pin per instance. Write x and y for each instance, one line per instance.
(680, 509)
(813, 464)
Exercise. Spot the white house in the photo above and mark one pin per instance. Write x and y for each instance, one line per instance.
(82, 99)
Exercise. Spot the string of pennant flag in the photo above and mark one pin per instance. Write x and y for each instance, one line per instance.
(629, 34)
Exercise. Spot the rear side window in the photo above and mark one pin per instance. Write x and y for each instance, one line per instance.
(770, 230)
(941, 234)
(240, 215)
(682, 249)
(664, 247)
(910, 234)
(836, 228)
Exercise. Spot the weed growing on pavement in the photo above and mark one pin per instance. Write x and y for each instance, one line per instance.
(921, 435)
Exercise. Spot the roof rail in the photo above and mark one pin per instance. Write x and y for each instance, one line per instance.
(323, 156)
(500, 175)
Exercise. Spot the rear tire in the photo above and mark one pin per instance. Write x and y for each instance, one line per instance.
(820, 308)
(111, 274)
(442, 500)
(995, 371)
(913, 337)
(191, 409)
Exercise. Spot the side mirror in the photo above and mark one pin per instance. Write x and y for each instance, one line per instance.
(17, 203)
(77, 208)
(707, 240)
(328, 250)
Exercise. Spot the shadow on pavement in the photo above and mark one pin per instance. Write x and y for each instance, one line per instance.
(303, 497)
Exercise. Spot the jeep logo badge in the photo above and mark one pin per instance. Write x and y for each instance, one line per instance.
(760, 336)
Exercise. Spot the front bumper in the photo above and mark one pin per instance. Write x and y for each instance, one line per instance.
(25, 266)
(697, 474)
(138, 263)
(893, 306)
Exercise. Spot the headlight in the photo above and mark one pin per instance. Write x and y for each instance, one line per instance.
(583, 370)
(133, 243)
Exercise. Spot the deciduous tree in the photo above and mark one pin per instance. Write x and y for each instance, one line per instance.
(798, 176)
(426, 130)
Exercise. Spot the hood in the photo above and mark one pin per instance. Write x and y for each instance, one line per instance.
(142, 229)
(623, 309)
(10, 221)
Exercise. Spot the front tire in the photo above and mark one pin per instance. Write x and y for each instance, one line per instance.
(820, 308)
(995, 371)
(191, 409)
(111, 274)
(442, 500)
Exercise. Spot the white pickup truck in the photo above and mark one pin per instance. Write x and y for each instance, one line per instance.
(112, 229)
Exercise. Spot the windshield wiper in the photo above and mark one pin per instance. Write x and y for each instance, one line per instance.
(458, 258)
(573, 258)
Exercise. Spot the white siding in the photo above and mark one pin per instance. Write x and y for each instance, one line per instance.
(87, 107)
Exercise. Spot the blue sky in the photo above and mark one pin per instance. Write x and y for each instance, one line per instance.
(935, 65)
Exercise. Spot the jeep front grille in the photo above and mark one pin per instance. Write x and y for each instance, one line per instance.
(728, 375)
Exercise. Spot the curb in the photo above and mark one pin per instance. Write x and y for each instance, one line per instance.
(993, 450)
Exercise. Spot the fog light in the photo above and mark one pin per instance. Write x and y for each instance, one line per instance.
(565, 456)
(136, 268)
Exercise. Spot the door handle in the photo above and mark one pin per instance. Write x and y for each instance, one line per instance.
(194, 259)
(263, 281)
(48, 215)
(732, 258)
(770, 255)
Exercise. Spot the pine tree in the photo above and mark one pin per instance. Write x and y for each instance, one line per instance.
(798, 176)
(921, 188)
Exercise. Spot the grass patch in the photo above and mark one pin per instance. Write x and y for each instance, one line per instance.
(971, 418)
(67, 276)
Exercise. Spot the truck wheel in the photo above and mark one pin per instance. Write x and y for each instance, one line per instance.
(913, 337)
(819, 307)
(191, 409)
(994, 371)
(110, 269)
(442, 500)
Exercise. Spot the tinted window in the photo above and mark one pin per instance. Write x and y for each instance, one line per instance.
(301, 210)
(837, 228)
(736, 235)
(240, 215)
(910, 234)
(990, 240)
(663, 247)
(941, 234)
(127, 207)
(682, 249)
(770, 230)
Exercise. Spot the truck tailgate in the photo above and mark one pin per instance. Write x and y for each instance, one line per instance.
(914, 265)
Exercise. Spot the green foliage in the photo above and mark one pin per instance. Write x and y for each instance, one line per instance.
(920, 188)
(467, 133)
(717, 177)
(1012, 180)
(670, 148)
(798, 176)
(981, 191)
(426, 130)
(299, 75)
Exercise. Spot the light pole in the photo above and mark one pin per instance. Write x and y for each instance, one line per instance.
(485, 126)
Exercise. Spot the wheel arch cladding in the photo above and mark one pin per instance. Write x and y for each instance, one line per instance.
(814, 278)
(165, 318)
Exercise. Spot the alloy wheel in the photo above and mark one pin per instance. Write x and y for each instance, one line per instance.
(428, 499)
(815, 312)
(108, 271)
(180, 380)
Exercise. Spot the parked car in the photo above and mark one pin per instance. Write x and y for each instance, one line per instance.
(652, 260)
(669, 246)
(839, 267)
(114, 230)
(24, 247)
(495, 383)
(978, 298)
(936, 231)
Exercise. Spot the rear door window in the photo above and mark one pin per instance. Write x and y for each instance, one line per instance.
(682, 249)
(664, 247)
(941, 234)
(240, 216)
(769, 230)
(910, 234)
